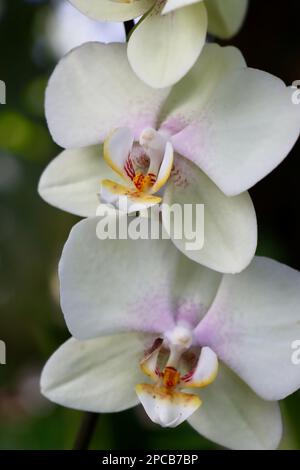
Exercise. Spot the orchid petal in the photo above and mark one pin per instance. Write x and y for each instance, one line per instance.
(160, 284)
(72, 180)
(179, 37)
(116, 150)
(205, 371)
(190, 96)
(113, 10)
(234, 417)
(166, 407)
(252, 325)
(225, 17)
(148, 364)
(165, 169)
(153, 142)
(97, 375)
(93, 91)
(229, 229)
(172, 5)
(236, 127)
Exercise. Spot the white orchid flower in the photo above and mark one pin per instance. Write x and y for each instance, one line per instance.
(171, 34)
(232, 124)
(155, 328)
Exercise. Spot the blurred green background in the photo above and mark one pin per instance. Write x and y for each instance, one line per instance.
(32, 233)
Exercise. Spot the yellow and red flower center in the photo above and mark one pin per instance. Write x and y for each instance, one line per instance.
(170, 377)
(144, 182)
(144, 165)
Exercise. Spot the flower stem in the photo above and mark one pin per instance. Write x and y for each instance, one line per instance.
(129, 25)
(86, 431)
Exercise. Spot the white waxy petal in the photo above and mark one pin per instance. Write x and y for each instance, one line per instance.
(172, 5)
(225, 17)
(205, 371)
(98, 375)
(93, 91)
(165, 169)
(113, 10)
(167, 408)
(154, 143)
(233, 416)
(252, 324)
(72, 180)
(116, 152)
(162, 48)
(229, 229)
(149, 362)
(96, 300)
(236, 123)
(191, 95)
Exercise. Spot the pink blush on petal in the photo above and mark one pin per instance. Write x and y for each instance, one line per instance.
(192, 143)
(157, 312)
(152, 313)
(189, 312)
(172, 126)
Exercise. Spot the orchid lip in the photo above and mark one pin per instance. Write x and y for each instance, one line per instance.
(164, 401)
(145, 165)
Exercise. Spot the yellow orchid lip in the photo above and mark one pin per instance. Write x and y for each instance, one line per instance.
(112, 189)
(164, 401)
(116, 149)
(144, 175)
(164, 393)
(144, 182)
(167, 407)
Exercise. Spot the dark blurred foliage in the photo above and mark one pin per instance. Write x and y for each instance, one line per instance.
(32, 234)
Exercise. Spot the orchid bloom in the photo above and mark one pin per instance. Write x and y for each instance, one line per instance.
(221, 129)
(184, 341)
(171, 34)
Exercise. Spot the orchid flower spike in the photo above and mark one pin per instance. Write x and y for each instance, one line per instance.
(175, 28)
(184, 341)
(204, 141)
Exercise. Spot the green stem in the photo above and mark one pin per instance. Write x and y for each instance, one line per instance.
(86, 431)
